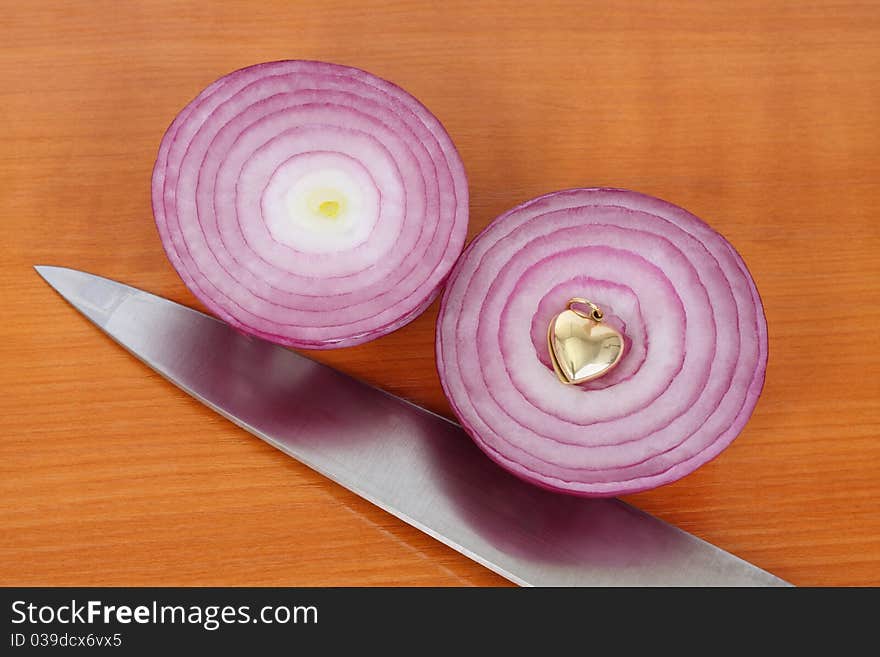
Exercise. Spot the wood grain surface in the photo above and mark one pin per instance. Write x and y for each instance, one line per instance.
(761, 117)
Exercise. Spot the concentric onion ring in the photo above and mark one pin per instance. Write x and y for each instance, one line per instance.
(684, 300)
(310, 204)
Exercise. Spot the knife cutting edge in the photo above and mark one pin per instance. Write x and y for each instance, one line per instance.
(410, 462)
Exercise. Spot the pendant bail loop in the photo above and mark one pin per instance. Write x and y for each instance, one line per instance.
(595, 313)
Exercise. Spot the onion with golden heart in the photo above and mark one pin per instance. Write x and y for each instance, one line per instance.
(672, 395)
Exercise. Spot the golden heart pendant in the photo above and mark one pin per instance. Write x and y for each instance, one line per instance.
(582, 346)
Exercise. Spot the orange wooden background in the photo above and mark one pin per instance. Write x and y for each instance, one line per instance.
(761, 117)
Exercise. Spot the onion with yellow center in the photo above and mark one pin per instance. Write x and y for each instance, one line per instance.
(311, 204)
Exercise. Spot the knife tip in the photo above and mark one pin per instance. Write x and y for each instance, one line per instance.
(50, 273)
(45, 270)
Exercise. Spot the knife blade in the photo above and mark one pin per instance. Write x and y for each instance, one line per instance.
(410, 462)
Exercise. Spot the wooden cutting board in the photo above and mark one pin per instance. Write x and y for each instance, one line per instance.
(761, 117)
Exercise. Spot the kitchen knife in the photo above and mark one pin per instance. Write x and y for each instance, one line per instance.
(412, 463)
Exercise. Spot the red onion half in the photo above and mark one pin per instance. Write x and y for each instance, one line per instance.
(310, 204)
(694, 330)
